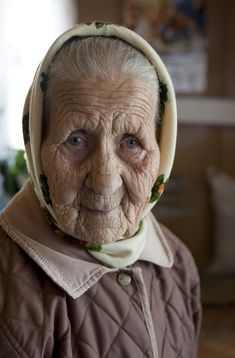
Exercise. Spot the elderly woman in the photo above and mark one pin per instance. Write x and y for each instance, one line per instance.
(86, 270)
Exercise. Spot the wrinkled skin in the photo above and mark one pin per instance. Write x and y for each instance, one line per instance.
(101, 156)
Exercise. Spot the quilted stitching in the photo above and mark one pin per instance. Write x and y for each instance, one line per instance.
(15, 349)
(179, 303)
(131, 309)
(82, 326)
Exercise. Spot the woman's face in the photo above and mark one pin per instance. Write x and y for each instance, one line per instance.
(100, 156)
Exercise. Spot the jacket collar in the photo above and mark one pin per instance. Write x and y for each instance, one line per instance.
(61, 258)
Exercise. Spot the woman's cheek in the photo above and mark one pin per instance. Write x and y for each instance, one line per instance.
(148, 167)
(59, 175)
(136, 186)
(140, 178)
(74, 156)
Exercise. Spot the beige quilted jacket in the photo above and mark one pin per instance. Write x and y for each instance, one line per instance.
(144, 310)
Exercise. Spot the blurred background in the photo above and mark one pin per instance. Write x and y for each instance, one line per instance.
(195, 38)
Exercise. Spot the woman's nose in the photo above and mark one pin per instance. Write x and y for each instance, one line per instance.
(103, 183)
(104, 176)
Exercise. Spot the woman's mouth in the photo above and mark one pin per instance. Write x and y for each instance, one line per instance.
(104, 212)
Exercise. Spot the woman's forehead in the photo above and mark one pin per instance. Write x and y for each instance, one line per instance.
(112, 106)
(103, 94)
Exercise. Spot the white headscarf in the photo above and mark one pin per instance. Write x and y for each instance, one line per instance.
(33, 111)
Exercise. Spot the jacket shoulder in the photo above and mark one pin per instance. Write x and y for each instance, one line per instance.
(183, 258)
(185, 276)
(29, 302)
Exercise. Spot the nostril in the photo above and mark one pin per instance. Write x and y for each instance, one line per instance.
(88, 182)
(105, 183)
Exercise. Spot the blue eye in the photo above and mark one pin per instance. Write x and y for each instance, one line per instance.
(130, 149)
(76, 141)
(132, 143)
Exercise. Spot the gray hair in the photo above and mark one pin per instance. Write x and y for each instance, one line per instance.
(98, 57)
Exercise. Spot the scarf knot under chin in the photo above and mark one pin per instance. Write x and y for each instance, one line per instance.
(123, 252)
(119, 254)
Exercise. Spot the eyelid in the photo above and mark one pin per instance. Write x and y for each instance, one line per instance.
(77, 132)
(128, 136)
(83, 140)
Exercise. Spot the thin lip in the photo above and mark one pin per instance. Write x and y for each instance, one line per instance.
(100, 212)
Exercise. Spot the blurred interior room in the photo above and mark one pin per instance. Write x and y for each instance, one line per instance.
(196, 41)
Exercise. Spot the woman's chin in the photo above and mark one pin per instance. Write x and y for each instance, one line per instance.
(100, 236)
(101, 229)
(98, 227)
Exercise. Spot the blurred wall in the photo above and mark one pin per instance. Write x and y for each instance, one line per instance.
(221, 34)
(185, 207)
(108, 10)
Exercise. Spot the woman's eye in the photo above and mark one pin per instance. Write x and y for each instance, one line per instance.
(78, 146)
(76, 141)
(131, 143)
(130, 149)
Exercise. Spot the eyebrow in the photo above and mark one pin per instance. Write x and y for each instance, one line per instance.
(134, 126)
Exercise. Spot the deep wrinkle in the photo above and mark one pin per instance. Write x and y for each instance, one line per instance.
(101, 140)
